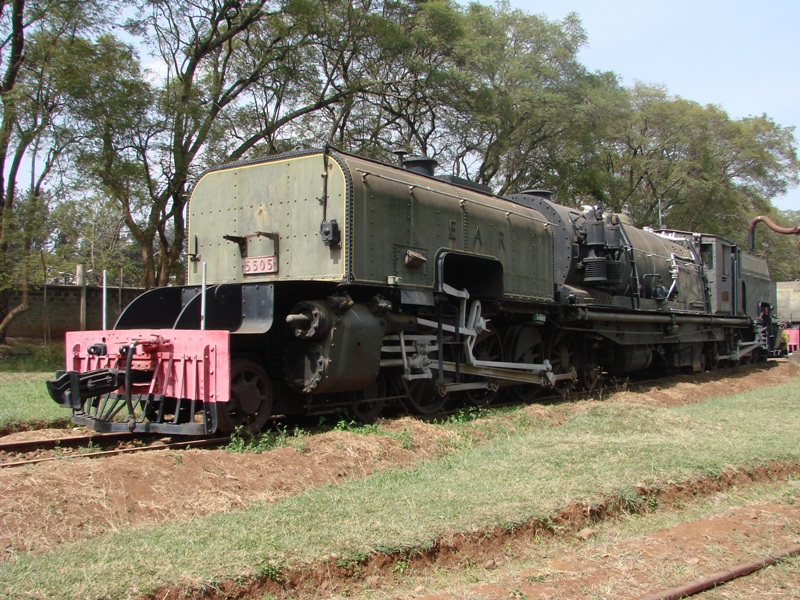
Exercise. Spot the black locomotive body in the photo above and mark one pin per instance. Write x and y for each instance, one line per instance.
(321, 281)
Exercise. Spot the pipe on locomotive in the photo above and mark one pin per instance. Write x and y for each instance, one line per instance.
(751, 242)
(596, 315)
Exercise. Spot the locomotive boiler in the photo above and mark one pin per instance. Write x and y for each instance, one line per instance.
(321, 281)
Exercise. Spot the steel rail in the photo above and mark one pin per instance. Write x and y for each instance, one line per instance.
(64, 442)
(170, 446)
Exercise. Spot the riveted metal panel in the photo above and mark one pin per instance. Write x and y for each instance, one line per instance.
(402, 220)
(270, 212)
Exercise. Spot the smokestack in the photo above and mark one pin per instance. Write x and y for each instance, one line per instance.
(420, 164)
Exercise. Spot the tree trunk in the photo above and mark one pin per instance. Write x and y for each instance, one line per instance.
(8, 316)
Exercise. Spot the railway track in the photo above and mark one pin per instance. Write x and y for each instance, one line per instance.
(29, 452)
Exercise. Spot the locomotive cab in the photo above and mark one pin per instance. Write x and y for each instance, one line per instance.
(721, 263)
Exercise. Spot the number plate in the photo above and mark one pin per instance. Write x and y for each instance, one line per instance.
(253, 265)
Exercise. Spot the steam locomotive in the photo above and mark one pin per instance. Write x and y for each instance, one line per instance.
(321, 281)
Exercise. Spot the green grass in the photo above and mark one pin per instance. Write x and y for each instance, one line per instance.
(23, 395)
(34, 359)
(528, 473)
(278, 436)
(24, 399)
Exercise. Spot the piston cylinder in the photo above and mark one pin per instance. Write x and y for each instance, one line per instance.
(346, 358)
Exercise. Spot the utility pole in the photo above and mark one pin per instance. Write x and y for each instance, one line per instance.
(80, 280)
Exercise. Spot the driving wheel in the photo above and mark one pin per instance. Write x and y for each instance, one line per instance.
(423, 398)
(369, 402)
(488, 347)
(562, 355)
(524, 345)
(250, 404)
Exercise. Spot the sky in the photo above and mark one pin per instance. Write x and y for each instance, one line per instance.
(741, 56)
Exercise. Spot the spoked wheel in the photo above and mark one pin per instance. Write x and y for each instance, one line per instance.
(563, 356)
(524, 345)
(423, 398)
(369, 402)
(488, 347)
(250, 404)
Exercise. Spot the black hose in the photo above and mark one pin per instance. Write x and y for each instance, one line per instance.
(128, 401)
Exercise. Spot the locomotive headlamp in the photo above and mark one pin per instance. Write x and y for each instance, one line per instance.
(97, 350)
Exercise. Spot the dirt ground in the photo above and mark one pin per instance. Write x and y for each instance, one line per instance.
(44, 505)
(607, 565)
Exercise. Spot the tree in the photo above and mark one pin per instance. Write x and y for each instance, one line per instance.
(111, 115)
(12, 19)
(91, 232)
(482, 89)
(528, 97)
(235, 75)
(29, 143)
(672, 162)
(782, 252)
(492, 93)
